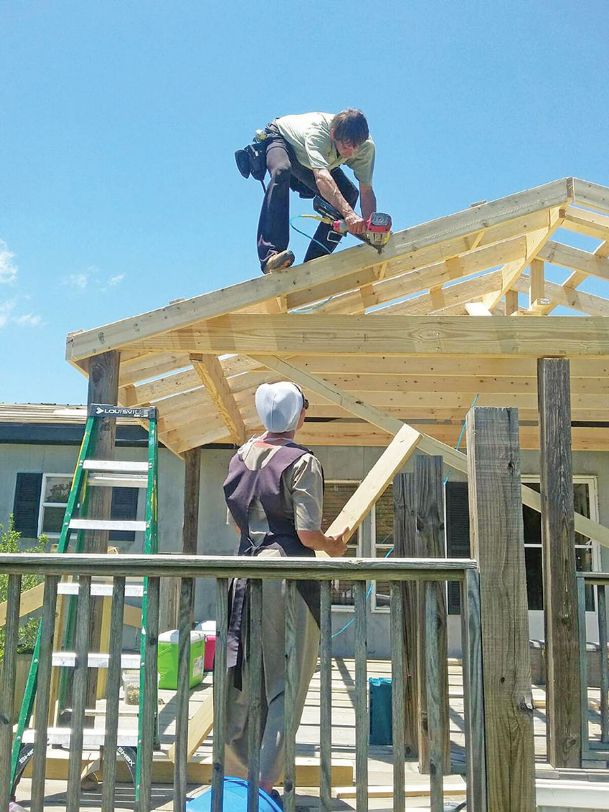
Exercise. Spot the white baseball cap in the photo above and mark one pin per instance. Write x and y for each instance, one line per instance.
(279, 405)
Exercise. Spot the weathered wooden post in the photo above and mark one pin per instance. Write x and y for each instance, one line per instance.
(103, 388)
(190, 531)
(404, 538)
(430, 543)
(498, 545)
(559, 579)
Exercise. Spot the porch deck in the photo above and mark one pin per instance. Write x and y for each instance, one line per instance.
(343, 748)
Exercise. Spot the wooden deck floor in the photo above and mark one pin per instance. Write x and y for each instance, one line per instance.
(343, 745)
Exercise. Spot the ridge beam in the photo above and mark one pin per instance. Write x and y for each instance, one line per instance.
(210, 371)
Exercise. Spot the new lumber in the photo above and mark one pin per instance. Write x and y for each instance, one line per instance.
(184, 313)
(429, 445)
(199, 727)
(458, 294)
(591, 194)
(314, 334)
(589, 264)
(411, 280)
(586, 222)
(209, 370)
(511, 271)
(31, 600)
(397, 453)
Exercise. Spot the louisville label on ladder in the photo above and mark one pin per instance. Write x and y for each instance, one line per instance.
(58, 679)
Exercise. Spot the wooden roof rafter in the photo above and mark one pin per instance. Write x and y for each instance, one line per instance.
(210, 371)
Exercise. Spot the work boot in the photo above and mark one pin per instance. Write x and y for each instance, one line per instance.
(278, 262)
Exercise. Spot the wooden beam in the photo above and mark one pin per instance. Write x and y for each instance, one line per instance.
(477, 309)
(397, 453)
(431, 543)
(103, 388)
(457, 294)
(182, 314)
(498, 547)
(537, 290)
(566, 296)
(511, 271)
(589, 264)
(511, 302)
(209, 370)
(150, 365)
(289, 334)
(31, 601)
(465, 366)
(405, 540)
(591, 194)
(426, 268)
(563, 730)
(180, 752)
(587, 222)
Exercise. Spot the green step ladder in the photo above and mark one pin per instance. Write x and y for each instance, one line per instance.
(91, 472)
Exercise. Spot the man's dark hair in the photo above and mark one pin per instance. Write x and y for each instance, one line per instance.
(351, 127)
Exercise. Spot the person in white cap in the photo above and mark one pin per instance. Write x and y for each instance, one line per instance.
(274, 492)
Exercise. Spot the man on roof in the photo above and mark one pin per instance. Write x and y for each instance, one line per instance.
(304, 153)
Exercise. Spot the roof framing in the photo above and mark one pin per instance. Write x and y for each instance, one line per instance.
(423, 357)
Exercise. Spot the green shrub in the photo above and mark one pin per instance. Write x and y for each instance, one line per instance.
(10, 542)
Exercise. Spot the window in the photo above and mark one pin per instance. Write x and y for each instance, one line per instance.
(336, 495)
(457, 535)
(54, 498)
(382, 534)
(584, 550)
(55, 492)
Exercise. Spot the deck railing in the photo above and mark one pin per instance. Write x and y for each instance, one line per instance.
(118, 567)
(599, 581)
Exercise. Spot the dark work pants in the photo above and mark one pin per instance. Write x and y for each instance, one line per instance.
(274, 223)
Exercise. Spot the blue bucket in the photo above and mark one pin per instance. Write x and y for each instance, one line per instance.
(235, 799)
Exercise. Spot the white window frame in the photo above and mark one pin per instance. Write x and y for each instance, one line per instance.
(341, 607)
(589, 479)
(381, 610)
(592, 482)
(43, 504)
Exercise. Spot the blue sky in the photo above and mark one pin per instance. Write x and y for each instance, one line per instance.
(119, 120)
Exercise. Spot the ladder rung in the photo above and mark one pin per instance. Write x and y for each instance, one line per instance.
(111, 480)
(106, 524)
(100, 590)
(92, 737)
(67, 659)
(116, 466)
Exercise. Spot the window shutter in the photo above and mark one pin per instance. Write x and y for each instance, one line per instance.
(457, 534)
(27, 504)
(124, 506)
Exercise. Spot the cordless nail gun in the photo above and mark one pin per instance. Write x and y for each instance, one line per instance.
(378, 225)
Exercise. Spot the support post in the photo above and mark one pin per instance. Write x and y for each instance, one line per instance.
(190, 529)
(103, 388)
(498, 545)
(404, 539)
(559, 579)
(431, 543)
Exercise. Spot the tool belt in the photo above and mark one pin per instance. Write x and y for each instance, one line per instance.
(251, 160)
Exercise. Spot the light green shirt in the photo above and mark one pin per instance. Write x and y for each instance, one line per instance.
(309, 136)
